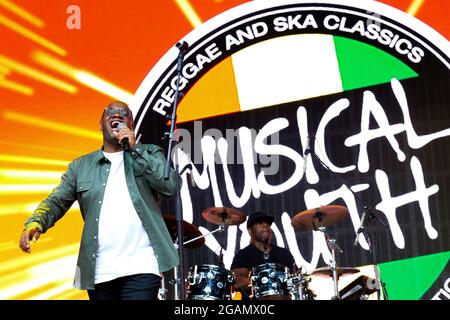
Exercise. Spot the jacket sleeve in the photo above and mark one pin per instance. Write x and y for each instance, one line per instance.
(57, 203)
(151, 160)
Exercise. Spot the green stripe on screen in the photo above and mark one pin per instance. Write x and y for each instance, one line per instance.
(362, 65)
(410, 279)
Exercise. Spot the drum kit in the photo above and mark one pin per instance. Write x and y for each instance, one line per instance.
(268, 281)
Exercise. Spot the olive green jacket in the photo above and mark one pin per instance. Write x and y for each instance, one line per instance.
(85, 181)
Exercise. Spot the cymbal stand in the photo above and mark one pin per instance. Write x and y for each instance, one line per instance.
(380, 286)
(369, 210)
(221, 265)
(220, 228)
(332, 244)
(297, 283)
(162, 292)
(300, 289)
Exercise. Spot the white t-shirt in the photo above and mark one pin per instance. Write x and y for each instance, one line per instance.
(123, 245)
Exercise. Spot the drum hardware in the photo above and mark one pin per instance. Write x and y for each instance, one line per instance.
(326, 215)
(333, 265)
(319, 219)
(162, 292)
(209, 282)
(369, 215)
(223, 217)
(270, 281)
(221, 258)
(341, 271)
(193, 238)
(358, 289)
(369, 211)
(202, 236)
(299, 285)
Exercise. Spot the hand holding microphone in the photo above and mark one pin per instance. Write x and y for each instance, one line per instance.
(125, 136)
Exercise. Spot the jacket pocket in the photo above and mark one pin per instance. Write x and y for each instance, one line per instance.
(84, 196)
(83, 186)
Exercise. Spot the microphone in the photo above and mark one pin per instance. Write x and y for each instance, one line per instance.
(125, 143)
(306, 152)
(361, 226)
(374, 214)
(183, 46)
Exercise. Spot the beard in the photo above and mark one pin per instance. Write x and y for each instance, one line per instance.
(264, 237)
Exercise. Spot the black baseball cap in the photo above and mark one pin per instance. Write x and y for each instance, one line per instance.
(258, 216)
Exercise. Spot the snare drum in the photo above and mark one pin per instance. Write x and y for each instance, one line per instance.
(209, 282)
(270, 281)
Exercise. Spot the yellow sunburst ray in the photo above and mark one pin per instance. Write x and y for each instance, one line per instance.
(30, 35)
(25, 208)
(37, 277)
(37, 75)
(32, 160)
(415, 6)
(84, 77)
(189, 12)
(10, 245)
(25, 188)
(22, 13)
(15, 86)
(14, 174)
(36, 258)
(52, 125)
(27, 147)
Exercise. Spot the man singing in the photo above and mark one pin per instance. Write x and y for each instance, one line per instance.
(125, 244)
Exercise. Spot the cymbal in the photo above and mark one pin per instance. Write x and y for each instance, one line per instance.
(219, 215)
(313, 218)
(189, 232)
(341, 271)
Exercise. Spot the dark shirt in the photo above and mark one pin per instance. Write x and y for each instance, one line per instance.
(251, 257)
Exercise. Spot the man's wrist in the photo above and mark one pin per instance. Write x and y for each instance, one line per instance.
(32, 225)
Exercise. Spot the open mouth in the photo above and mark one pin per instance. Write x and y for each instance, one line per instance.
(114, 123)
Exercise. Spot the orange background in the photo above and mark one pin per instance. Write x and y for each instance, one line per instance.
(119, 42)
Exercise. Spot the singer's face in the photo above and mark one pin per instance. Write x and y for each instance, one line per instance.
(114, 114)
(261, 231)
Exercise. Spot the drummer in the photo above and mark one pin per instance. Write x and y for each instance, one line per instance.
(260, 250)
